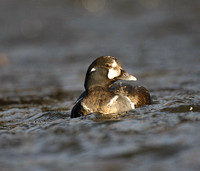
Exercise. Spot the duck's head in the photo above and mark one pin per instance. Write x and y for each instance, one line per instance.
(104, 71)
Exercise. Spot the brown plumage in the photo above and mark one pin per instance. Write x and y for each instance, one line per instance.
(103, 96)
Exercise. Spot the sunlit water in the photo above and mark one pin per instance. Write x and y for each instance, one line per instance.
(45, 50)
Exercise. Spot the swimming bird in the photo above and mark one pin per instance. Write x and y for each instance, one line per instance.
(103, 95)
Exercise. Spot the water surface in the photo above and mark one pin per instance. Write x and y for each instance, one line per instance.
(45, 49)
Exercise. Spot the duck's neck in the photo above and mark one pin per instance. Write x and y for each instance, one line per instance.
(95, 83)
(97, 88)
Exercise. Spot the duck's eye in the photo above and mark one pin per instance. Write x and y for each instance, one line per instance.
(108, 65)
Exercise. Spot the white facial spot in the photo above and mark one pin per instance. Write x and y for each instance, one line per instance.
(112, 73)
(93, 69)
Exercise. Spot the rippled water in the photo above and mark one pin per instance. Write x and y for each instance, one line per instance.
(45, 49)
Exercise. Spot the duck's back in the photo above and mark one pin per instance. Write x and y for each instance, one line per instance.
(138, 95)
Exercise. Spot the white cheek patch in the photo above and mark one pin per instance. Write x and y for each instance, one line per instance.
(112, 73)
(114, 64)
(93, 69)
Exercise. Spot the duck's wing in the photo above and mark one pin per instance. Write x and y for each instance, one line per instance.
(80, 97)
(138, 95)
(77, 110)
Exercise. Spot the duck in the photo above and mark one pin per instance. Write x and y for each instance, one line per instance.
(104, 95)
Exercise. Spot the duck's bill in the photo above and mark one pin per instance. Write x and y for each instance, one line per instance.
(126, 76)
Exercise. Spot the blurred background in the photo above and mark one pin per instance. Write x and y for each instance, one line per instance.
(51, 43)
(45, 49)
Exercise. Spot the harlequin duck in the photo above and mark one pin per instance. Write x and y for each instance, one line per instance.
(101, 95)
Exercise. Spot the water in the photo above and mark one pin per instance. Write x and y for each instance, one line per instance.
(45, 49)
